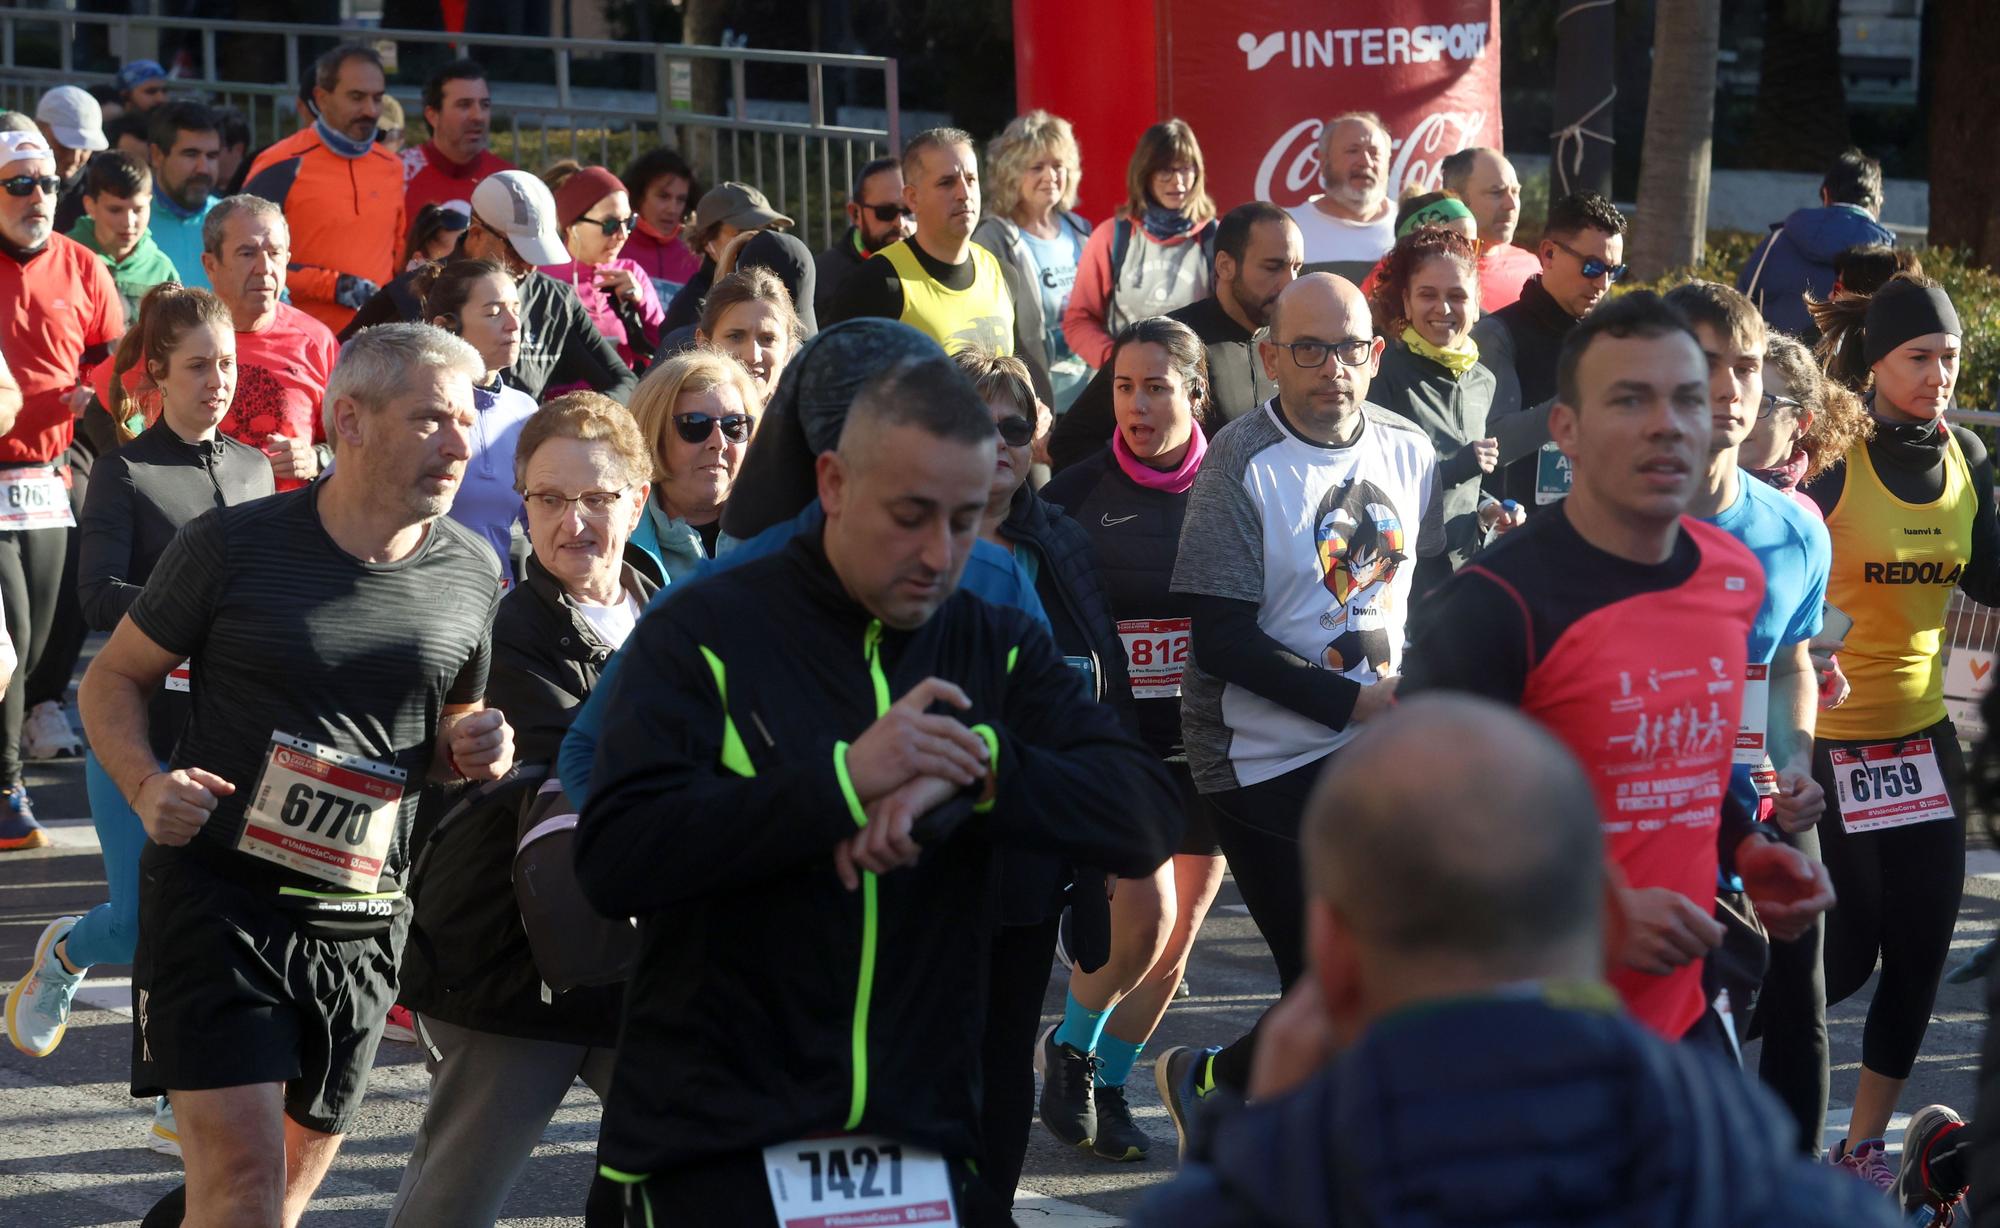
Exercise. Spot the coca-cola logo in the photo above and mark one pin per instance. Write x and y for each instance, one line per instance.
(1289, 171)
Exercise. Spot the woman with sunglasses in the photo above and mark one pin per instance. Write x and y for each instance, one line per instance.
(434, 234)
(696, 412)
(594, 215)
(1911, 516)
(478, 300)
(1425, 302)
(1032, 171)
(1156, 255)
(750, 317)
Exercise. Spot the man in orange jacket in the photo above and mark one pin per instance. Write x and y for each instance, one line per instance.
(342, 194)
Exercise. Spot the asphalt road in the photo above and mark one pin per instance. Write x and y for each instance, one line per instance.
(70, 1135)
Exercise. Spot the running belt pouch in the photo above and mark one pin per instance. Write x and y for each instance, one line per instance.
(572, 945)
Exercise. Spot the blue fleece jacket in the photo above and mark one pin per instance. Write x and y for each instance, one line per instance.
(1797, 257)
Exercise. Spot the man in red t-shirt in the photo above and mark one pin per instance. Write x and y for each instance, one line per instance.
(444, 170)
(1621, 624)
(59, 308)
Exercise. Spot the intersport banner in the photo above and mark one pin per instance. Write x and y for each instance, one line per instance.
(1258, 78)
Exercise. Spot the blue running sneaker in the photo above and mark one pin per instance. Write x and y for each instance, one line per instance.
(18, 829)
(38, 1005)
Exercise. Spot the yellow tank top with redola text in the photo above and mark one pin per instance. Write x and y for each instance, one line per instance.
(980, 314)
(1895, 565)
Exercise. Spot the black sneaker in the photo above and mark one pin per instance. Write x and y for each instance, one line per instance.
(1117, 1137)
(1182, 1076)
(1068, 1109)
(1915, 1188)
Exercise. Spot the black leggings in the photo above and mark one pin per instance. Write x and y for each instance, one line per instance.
(1022, 959)
(1791, 1018)
(50, 679)
(1898, 892)
(31, 568)
(1258, 828)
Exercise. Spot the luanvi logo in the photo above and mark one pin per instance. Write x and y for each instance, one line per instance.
(1260, 52)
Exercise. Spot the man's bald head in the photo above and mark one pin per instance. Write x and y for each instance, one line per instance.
(1330, 301)
(1456, 833)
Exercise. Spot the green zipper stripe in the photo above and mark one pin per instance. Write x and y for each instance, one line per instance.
(871, 921)
(623, 1178)
(734, 756)
(993, 766)
(1013, 655)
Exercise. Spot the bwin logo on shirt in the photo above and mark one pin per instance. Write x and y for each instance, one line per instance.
(1259, 52)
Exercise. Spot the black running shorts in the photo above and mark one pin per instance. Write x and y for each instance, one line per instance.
(1198, 829)
(228, 992)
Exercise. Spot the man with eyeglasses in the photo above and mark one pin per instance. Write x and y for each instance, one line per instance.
(342, 193)
(1302, 537)
(876, 217)
(1621, 623)
(1582, 251)
(938, 280)
(514, 226)
(1774, 745)
(339, 638)
(458, 109)
(59, 313)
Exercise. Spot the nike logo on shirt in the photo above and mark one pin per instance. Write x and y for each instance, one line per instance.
(1109, 523)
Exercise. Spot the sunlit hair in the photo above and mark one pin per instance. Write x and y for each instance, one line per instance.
(1839, 418)
(1412, 251)
(588, 417)
(1026, 138)
(166, 315)
(1162, 147)
(701, 369)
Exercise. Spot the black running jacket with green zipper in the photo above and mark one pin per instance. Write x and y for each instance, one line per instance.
(769, 1003)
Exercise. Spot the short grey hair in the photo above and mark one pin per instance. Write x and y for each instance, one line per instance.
(375, 365)
(228, 207)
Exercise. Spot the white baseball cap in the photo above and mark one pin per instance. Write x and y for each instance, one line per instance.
(519, 206)
(74, 117)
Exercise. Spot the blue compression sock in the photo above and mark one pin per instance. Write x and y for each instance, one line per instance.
(1115, 1058)
(1081, 1026)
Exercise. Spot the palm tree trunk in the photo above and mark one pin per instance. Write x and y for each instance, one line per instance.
(1680, 121)
(1965, 177)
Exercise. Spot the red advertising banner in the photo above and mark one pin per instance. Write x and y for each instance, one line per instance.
(1258, 78)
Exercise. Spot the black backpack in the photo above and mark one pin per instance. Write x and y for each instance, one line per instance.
(572, 943)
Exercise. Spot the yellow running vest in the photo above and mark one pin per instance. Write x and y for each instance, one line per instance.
(1895, 565)
(981, 314)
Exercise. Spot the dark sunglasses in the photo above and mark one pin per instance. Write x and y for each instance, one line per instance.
(452, 219)
(888, 213)
(613, 225)
(1593, 268)
(696, 428)
(23, 185)
(1015, 432)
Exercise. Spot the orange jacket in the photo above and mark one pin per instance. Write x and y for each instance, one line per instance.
(345, 214)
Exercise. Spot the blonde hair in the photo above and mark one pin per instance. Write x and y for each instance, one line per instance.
(588, 417)
(1162, 146)
(1025, 138)
(698, 370)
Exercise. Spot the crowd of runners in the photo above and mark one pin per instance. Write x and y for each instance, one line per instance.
(561, 621)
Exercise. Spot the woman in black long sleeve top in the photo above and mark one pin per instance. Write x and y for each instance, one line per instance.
(139, 497)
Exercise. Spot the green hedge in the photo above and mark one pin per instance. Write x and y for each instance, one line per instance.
(1974, 290)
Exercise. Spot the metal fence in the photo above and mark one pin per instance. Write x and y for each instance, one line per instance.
(1971, 633)
(597, 100)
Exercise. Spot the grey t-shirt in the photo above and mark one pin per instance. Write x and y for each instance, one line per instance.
(1324, 540)
(287, 633)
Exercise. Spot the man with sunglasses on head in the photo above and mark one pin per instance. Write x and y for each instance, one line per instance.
(1302, 537)
(876, 217)
(59, 313)
(938, 280)
(513, 224)
(1582, 251)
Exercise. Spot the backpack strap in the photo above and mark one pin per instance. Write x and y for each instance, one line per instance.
(1750, 291)
(1121, 243)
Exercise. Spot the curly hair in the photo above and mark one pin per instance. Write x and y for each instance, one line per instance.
(1025, 138)
(1392, 276)
(1839, 419)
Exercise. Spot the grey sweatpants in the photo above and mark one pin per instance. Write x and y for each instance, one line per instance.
(491, 1098)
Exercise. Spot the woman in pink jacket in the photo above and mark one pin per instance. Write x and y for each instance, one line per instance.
(594, 214)
(1155, 255)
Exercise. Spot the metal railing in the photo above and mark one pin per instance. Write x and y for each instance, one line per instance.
(601, 97)
(1971, 633)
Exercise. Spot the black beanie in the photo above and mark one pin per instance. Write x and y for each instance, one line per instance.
(1902, 310)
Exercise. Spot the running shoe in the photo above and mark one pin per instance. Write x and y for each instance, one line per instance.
(1068, 1109)
(48, 735)
(1181, 1075)
(1870, 1164)
(18, 829)
(1931, 1125)
(1117, 1137)
(163, 1136)
(38, 1005)
(402, 1026)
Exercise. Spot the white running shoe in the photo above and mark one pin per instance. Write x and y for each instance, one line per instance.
(38, 1005)
(48, 735)
(163, 1136)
